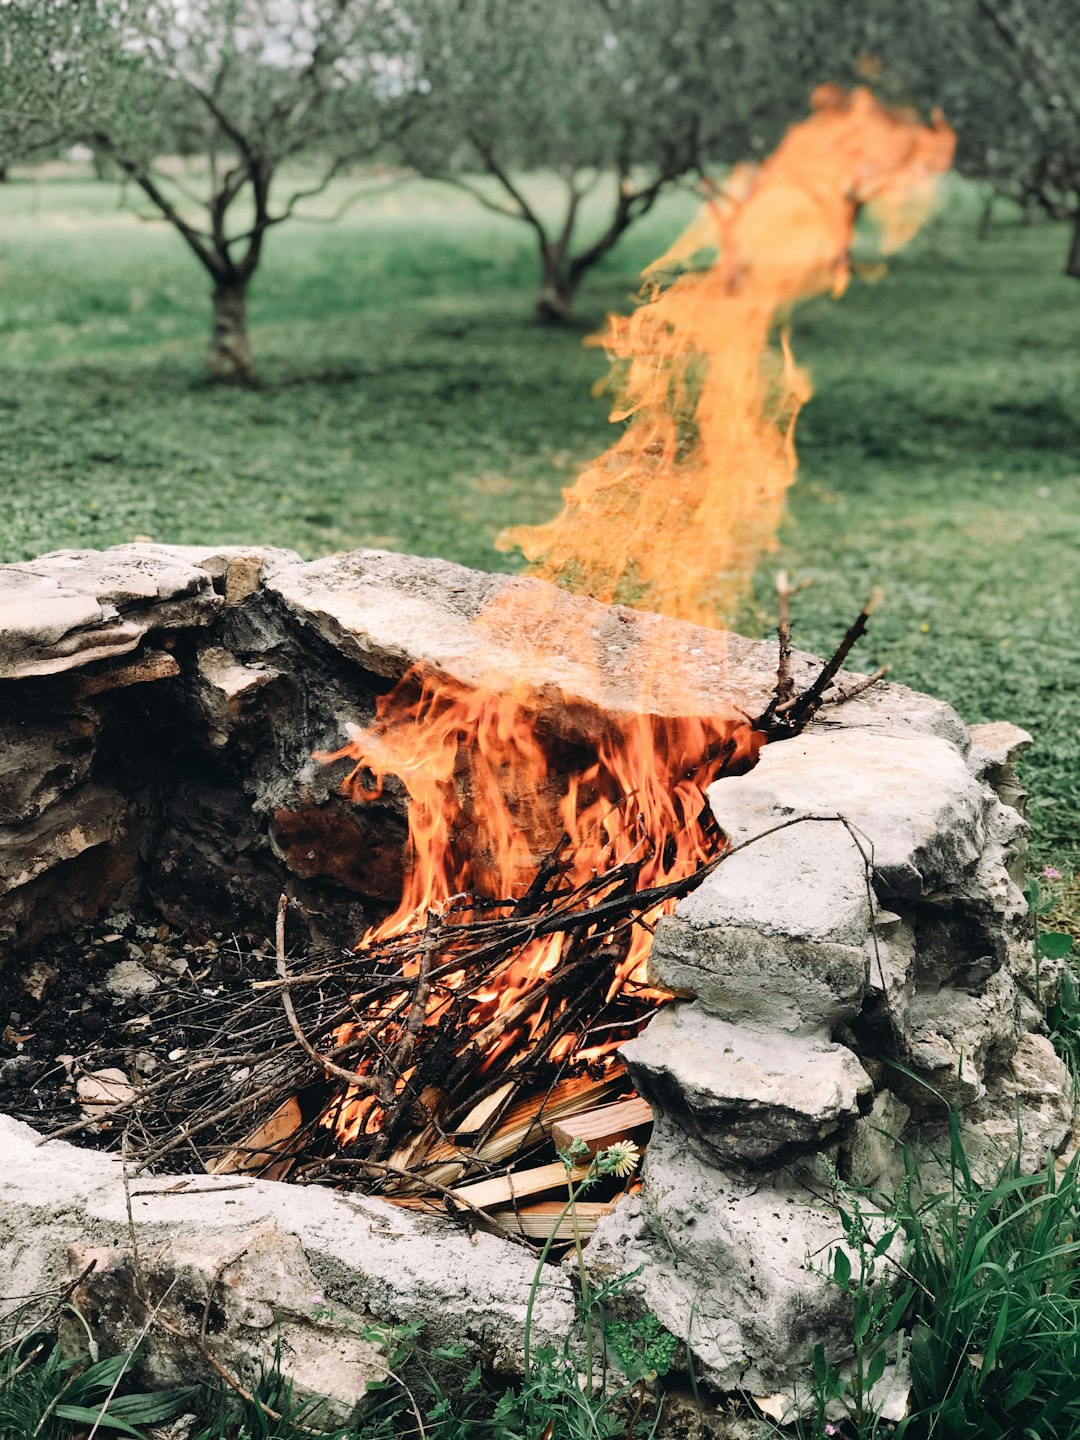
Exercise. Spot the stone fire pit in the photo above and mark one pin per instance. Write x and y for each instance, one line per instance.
(159, 707)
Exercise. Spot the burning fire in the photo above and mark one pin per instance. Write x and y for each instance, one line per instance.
(671, 518)
(675, 514)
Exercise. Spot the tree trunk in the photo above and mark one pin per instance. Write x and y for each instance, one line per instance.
(230, 354)
(986, 216)
(1072, 264)
(555, 298)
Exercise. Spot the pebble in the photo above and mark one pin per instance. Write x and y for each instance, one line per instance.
(128, 979)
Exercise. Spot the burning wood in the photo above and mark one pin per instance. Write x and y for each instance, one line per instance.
(448, 1061)
(546, 838)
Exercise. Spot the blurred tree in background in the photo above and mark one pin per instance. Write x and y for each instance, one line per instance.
(1006, 73)
(247, 85)
(616, 98)
(601, 103)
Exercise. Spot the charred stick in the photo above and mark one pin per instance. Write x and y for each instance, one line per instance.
(552, 867)
(803, 707)
(858, 689)
(784, 689)
(371, 1084)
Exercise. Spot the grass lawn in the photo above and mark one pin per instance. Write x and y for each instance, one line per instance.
(407, 401)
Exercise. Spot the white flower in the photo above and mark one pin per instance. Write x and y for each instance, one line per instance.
(619, 1159)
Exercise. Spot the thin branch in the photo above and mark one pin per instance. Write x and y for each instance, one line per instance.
(461, 183)
(371, 1084)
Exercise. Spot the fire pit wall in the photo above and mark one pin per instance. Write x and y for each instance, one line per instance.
(860, 966)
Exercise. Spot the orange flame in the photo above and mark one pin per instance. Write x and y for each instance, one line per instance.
(674, 516)
(671, 518)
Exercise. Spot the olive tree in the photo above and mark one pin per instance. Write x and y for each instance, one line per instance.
(44, 91)
(1014, 98)
(1006, 73)
(251, 86)
(608, 101)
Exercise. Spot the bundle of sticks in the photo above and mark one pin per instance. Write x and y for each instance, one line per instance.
(445, 1113)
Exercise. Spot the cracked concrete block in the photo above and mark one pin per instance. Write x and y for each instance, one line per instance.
(740, 1095)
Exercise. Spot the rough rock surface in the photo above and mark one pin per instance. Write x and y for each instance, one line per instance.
(78, 606)
(157, 722)
(257, 1292)
(911, 799)
(726, 1265)
(741, 1096)
(230, 668)
(365, 1255)
(761, 981)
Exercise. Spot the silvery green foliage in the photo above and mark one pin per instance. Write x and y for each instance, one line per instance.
(613, 98)
(249, 87)
(56, 58)
(1006, 73)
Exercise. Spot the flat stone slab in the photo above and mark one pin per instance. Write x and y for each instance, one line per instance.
(517, 634)
(806, 881)
(745, 1096)
(389, 612)
(365, 1254)
(75, 606)
(910, 798)
(765, 982)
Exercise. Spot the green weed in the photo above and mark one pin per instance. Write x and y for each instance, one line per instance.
(50, 1397)
(979, 1287)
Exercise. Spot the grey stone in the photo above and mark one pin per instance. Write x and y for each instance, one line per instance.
(60, 834)
(764, 982)
(75, 606)
(909, 796)
(890, 709)
(728, 1265)
(128, 979)
(874, 1147)
(523, 636)
(954, 1039)
(366, 1255)
(1032, 1097)
(996, 745)
(390, 611)
(806, 881)
(44, 753)
(224, 688)
(261, 1302)
(891, 983)
(742, 1096)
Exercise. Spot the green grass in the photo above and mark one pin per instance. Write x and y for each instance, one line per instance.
(407, 401)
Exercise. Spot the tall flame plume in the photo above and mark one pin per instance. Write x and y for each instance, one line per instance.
(671, 518)
(674, 516)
